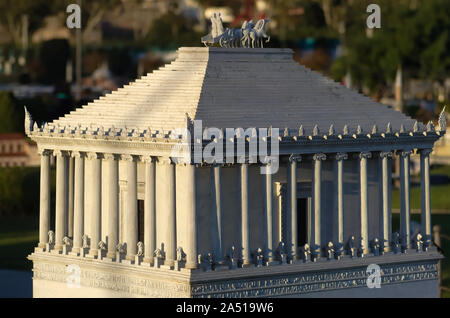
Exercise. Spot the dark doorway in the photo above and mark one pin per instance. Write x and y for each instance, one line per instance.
(302, 221)
(141, 220)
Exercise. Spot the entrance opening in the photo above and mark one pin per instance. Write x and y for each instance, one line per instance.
(140, 220)
(302, 221)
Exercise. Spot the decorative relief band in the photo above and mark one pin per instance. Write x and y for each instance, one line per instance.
(279, 285)
(312, 281)
(126, 283)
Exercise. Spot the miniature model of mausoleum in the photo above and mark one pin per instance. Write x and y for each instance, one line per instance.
(136, 220)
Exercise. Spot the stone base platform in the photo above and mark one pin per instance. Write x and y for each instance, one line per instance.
(402, 275)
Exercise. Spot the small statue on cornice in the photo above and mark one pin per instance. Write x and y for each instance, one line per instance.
(51, 237)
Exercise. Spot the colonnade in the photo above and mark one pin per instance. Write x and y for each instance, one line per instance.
(87, 203)
(87, 186)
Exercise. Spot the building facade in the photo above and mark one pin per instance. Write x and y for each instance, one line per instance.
(16, 151)
(142, 211)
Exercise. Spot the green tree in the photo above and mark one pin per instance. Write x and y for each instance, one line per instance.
(9, 117)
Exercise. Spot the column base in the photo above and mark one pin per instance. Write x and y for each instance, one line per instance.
(221, 267)
(127, 261)
(157, 262)
(246, 265)
(272, 263)
(42, 245)
(137, 260)
(93, 254)
(169, 262)
(191, 266)
(166, 267)
(39, 249)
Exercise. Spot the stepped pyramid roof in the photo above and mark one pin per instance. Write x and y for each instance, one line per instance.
(238, 87)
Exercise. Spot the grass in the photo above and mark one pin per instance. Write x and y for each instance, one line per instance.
(440, 194)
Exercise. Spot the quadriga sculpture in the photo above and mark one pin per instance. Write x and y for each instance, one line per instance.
(249, 35)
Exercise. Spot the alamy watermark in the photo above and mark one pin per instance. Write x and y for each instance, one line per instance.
(373, 21)
(73, 21)
(230, 145)
(374, 278)
(73, 280)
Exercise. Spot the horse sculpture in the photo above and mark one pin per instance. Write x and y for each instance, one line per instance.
(254, 37)
(249, 35)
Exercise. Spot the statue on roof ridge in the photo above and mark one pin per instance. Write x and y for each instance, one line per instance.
(249, 35)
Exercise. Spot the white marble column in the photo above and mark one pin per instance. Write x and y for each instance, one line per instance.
(111, 169)
(61, 197)
(363, 156)
(44, 203)
(245, 226)
(216, 213)
(339, 195)
(70, 179)
(93, 208)
(131, 208)
(149, 209)
(78, 201)
(269, 248)
(386, 197)
(292, 190)
(166, 208)
(191, 249)
(425, 193)
(405, 207)
(316, 243)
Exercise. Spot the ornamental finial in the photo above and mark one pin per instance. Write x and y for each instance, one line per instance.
(442, 120)
(28, 121)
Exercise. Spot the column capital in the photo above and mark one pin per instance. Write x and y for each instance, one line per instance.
(295, 157)
(129, 158)
(365, 155)
(319, 156)
(61, 153)
(45, 152)
(110, 156)
(425, 152)
(404, 153)
(164, 161)
(268, 160)
(147, 158)
(341, 156)
(93, 155)
(78, 154)
(386, 154)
